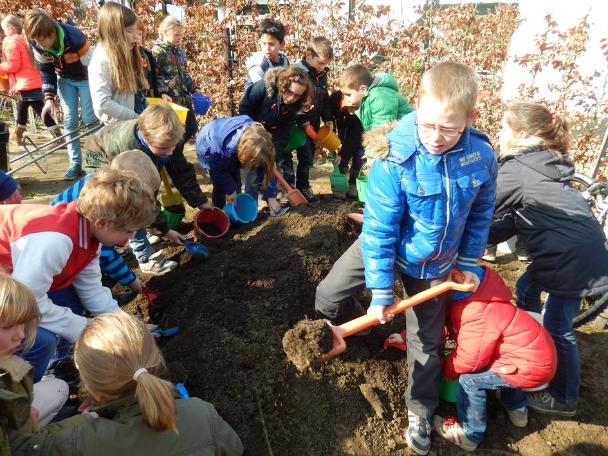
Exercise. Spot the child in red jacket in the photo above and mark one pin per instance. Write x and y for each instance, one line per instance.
(24, 78)
(499, 347)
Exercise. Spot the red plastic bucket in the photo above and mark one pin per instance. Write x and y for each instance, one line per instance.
(211, 223)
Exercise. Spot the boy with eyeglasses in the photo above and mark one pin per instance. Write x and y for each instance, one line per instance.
(430, 203)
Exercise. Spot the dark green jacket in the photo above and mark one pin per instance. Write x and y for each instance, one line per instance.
(118, 137)
(383, 103)
(121, 432)
(15, 398)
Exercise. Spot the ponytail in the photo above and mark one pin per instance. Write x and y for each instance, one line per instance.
(156, 399)
(544, 127)
(118, 358)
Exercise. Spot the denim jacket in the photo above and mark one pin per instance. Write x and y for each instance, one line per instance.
(426, 214)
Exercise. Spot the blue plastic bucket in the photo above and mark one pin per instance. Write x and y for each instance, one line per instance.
(201, 103)
(245, 211)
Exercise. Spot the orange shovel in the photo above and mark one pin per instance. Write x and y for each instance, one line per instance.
(367, 321)
(294, 196)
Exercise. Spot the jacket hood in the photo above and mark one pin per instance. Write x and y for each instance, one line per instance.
(385, 80)
(271, 81)
(375, 141)
(491, 289)
(544, 161)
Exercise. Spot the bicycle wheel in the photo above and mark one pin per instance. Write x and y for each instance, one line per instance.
(591, 307)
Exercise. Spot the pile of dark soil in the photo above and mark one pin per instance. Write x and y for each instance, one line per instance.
(234, 309)
(306, 342)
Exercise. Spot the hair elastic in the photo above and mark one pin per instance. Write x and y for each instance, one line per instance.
(138, 372)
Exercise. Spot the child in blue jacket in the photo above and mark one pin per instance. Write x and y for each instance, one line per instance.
(430, 203)
(227, 145)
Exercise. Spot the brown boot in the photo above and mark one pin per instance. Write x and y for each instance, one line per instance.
(17, 135)
(56, 133)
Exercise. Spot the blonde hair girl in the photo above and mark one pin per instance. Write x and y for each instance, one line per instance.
(119, 366)
(22, 403)
(115, 72)
(255, 150)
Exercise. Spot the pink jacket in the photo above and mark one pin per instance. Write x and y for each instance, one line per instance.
(18, 64)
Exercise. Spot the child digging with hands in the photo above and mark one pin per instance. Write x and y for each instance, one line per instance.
(225, 146)
(131, 410)
(22, 405)
(498, 347)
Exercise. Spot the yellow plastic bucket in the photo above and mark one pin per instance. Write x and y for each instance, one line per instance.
(328, 139)
(181, 112)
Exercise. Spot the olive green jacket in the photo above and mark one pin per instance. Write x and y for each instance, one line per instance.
(119, 137)
(16, 392)
(121, 432)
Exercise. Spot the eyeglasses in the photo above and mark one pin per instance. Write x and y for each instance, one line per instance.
(445, 132)
(292, 94)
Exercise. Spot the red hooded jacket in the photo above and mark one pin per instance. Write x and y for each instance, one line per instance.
(490, 332)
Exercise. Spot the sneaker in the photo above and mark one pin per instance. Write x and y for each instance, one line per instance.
(311, 198)
(519, 417)
(157, 265)
(153, 239)
(73, 172)
(450, 429)
(543, 402)
(490, 254)
(418, 434)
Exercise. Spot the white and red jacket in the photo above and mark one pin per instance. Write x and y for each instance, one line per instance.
(49, 248)
(490, 332)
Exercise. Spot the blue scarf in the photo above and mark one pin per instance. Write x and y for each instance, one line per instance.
(162, 160)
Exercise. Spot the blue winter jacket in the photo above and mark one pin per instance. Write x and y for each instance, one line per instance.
(216, 151)
(426, 214)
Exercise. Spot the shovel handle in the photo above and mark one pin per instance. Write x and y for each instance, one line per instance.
(282, 181)
(367, 321)
(165, 178)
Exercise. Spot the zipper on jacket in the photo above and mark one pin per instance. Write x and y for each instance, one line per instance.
(447, 212)
(524, 218)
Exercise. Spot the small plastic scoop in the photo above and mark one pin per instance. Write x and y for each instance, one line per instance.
(196, 249)
(294, 196)
(166, 332)
(367, 321)
(150, 296)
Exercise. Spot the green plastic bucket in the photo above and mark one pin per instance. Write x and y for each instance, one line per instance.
(447, 388)
(173, 215)
(297, 138)
(339, 181)
(361, 183)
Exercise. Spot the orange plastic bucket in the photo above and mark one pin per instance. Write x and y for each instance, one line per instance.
(328, 139)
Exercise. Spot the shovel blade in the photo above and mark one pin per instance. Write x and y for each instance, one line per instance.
(296, 198)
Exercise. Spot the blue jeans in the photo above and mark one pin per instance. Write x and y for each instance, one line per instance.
(49, 345)
(70, 91)
(557, 319)
(471, 400)
(141, 246)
